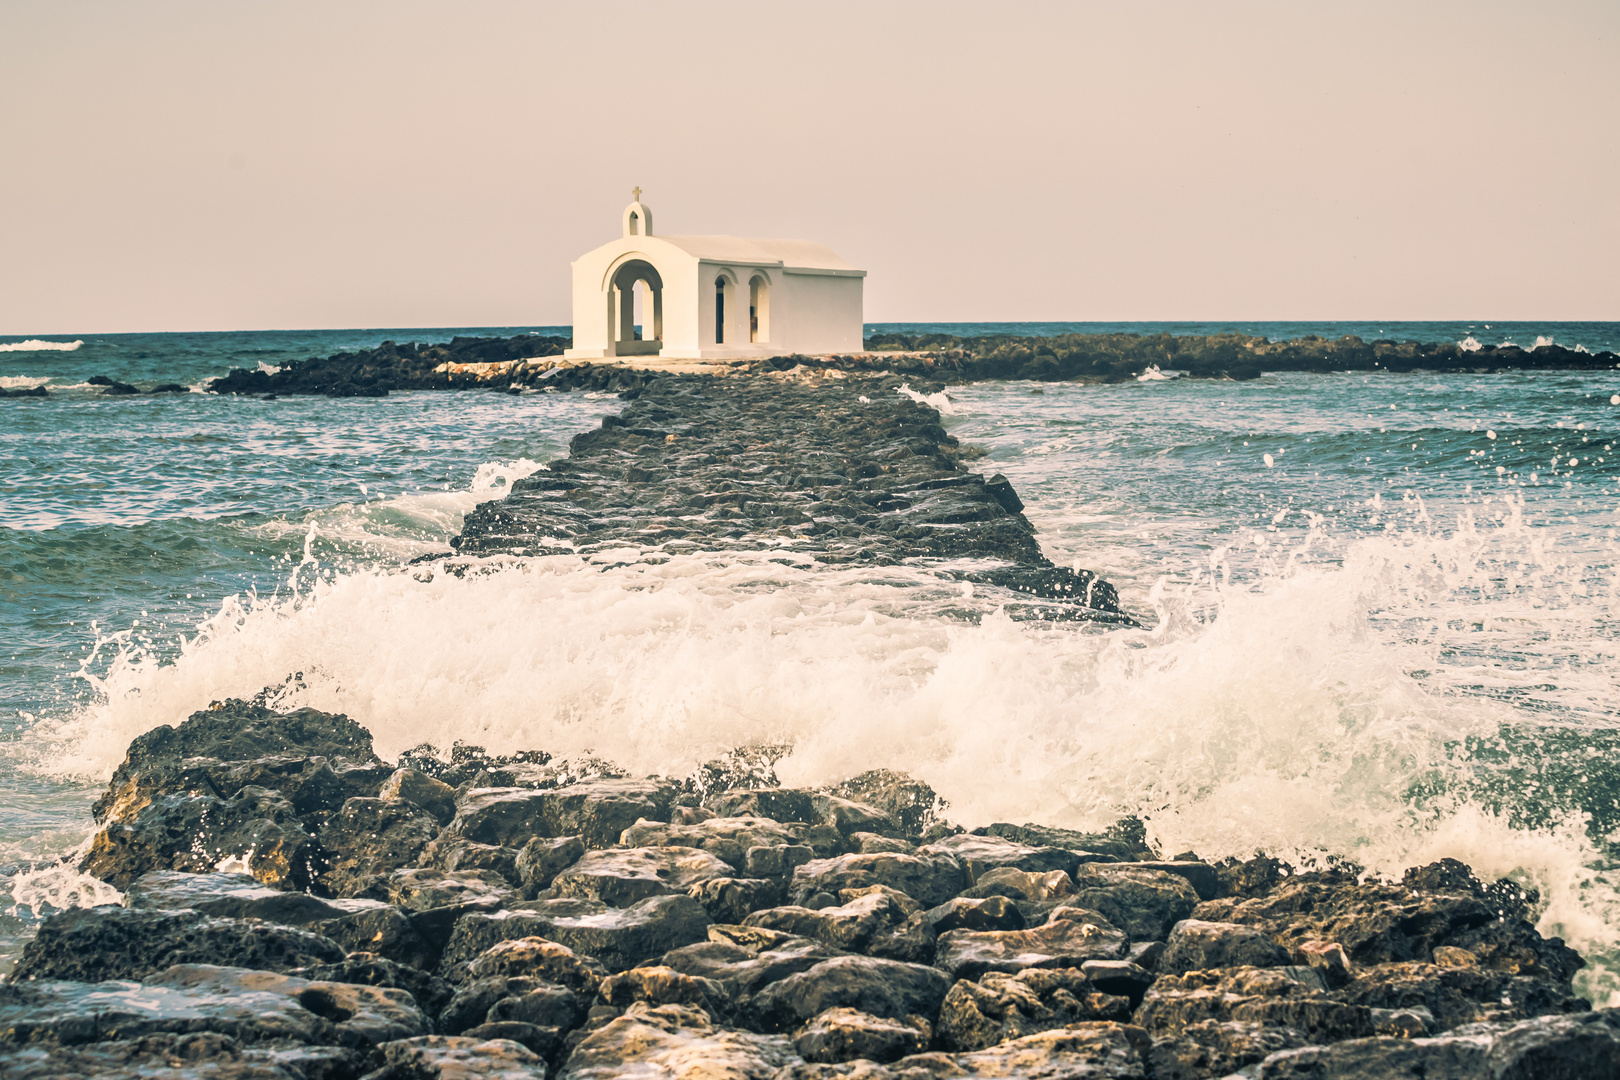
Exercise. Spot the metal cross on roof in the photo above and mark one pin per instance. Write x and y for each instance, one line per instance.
(637, 193)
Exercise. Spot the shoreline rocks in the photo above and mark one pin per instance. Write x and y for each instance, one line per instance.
(842, 471)
(530, 362)
(793, 941)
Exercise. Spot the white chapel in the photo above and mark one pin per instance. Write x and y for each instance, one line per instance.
(712, 297)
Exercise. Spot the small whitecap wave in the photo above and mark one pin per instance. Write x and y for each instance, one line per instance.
(1542, 339)
(1153, 374)
(269, 369)
(36, 345)
(939, 401)
(1470, 344)
(21, 382)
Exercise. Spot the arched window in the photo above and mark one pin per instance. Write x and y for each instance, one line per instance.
(635, 223)
(759, 309)
(720, 310)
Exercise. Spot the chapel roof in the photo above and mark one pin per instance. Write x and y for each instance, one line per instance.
(739, 249)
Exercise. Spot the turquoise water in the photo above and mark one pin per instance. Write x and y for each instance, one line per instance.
(1379, 609)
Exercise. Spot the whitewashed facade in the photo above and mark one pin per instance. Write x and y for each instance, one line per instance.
(712, 297)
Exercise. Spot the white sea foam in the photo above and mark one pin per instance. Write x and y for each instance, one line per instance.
(1469, 344)
(269, 369)
(24, 382)
(939, 401)
(1541, 340)
(36, 345)
(1153, 374)
(405, 526)
(1280, 714)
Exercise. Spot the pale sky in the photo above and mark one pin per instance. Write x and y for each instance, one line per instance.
(212, 166)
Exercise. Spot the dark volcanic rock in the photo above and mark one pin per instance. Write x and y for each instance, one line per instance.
(1068, 938)
(884, 988)
(368, 839)
(846, 1034)
(597, 812)
(248, 1006)
(619, 937)
(999, 1007)
(846, 471)
(96, 944)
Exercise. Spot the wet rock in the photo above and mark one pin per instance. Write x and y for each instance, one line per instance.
(783, 805)
(1100, 1050)
(367, 969)
(731, 900)
(1454, 996)
(982, 854)
(1196, 944)
(197, 1056)
(249, 1006)
(449, 1057)
(1127, 839)
(990, 913)
(102, 943)
(1378, 923)
(670, 1040)
(728, 839)
(537, 958)
(227, 895)
(850, 927)
(846, 1034)
(597, 812)
(1200, 875)
(999, 1007)
(777, 861)
(886, 988)
(368, 839)
(873, 481)
(420, 789)
(374, 927)
(1068, 938)
(623, 876)
(196, 833)
(662, 985)
(426, 888)
(912, 804)
(454, 853)
(166, 759)
(1211, 1049)
(1119, 977)
(542, 858)
(743, 960)
(1022, 885)
(512, 999)
(929, 879)
(619, 937)
(356, 925)
(1144, 903)
(1293, 997)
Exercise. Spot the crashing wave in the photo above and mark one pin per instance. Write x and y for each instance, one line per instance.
(1469, 344)
(36, 345)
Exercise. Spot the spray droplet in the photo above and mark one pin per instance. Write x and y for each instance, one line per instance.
(1268, 461)
(1490, 434)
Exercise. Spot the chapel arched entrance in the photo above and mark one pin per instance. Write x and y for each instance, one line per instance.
(636, 284)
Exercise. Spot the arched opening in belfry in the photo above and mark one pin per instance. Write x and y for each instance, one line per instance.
(635, 223)
(636, 299)
(759, 309)
(721, 287)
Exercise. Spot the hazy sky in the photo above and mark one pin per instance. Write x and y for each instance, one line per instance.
(172, 166)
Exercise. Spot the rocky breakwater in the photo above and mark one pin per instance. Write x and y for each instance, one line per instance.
(1117, 357)
(824, 470)
(295, 908)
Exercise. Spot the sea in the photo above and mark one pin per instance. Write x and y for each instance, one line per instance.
(1378, 611)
